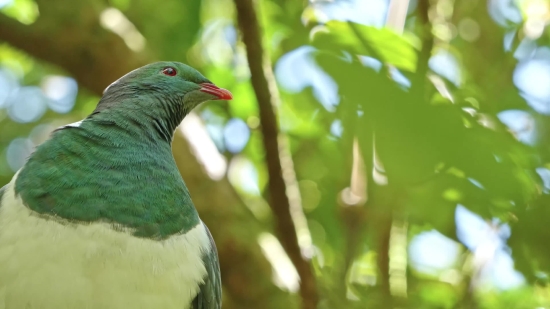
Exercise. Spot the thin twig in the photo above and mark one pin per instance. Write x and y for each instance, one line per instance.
(267, 96)
(422, 66)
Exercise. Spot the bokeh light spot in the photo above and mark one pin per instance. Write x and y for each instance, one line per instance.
(236, 135)
(431, 252)
(8, 84)
(61, 92)
(18, 152)
(27, 104)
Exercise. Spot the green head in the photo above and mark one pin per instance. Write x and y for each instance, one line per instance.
(159, 92)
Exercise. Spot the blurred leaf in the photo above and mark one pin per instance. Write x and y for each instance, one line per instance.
(170, 38)
(439, 295)
(244, 105)
(25, 11)
(381, 43)
(414, 137)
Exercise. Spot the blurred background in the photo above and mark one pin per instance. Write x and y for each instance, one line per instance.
(377, 154)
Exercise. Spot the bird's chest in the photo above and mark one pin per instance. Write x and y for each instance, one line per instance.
(47, 264)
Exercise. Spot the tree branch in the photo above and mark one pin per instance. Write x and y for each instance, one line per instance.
(94, 56)
(267, 96)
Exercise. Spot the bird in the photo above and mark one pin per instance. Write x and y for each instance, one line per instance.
(99, 217)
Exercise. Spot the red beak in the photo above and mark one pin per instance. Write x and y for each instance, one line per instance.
(221, 93)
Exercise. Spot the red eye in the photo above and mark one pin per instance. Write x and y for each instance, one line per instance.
(170, 71)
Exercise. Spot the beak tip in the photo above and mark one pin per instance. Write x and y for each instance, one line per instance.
(220, 93)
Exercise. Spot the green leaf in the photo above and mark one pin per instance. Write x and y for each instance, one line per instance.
(381, 43)
(25, 11)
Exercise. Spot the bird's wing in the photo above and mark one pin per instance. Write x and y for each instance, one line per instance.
(210, 294)
(2, 190)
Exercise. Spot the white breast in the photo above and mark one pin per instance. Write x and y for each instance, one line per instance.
(47, 264)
